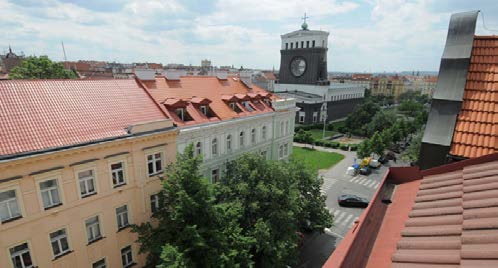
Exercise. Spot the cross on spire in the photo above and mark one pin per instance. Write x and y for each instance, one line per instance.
(305, 17)
(304, 26)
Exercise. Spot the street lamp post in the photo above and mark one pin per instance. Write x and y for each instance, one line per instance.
(323, 116)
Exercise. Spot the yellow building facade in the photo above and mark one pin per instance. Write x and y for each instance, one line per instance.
(73, 200)
(387, 86)
(80, 161)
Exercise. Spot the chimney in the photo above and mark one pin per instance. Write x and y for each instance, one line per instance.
(246, 78)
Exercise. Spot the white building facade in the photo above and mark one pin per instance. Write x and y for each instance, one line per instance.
(268, 134)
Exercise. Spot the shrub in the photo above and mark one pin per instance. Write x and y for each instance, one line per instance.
(344, 147)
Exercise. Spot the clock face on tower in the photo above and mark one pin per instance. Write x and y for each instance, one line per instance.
(297, 66)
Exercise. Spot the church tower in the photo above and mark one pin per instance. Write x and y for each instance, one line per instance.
(303, 57)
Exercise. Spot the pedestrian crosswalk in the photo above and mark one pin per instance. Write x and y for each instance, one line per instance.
(342, 218)
(365, 181)
(327, 184)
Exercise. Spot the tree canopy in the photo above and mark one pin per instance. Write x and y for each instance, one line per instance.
(40, 68)
(250, 218)
(193, 230)
(356, 122)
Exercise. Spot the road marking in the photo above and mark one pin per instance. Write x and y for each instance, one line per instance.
(377, 185)
(354, 179)
(371, 184)
(364, 182)
(341, 215)
(329, 232)
(345, 221)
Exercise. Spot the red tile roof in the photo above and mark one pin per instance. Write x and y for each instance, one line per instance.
(43, 114)
(476, 129)
(192, 89)
(454, 220)
(446, 218)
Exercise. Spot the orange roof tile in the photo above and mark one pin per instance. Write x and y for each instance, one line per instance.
(219, 92)
(476, 128)
(441, 217)
(454, 220)
(43, 114)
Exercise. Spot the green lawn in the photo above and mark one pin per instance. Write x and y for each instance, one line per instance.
(318, 159)
(318, 133)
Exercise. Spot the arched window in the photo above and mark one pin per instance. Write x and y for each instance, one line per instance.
(253, 136)
(241, 139)
(229, 143)
(198, 148)
(263, 133)
(282, 128)
(214, 147)
(287, 127)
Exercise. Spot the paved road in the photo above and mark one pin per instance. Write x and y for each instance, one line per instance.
(317, 248)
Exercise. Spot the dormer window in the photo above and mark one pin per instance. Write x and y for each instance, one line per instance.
(247, 106)
(204, 110)
(267, 101)
(234, 107)
(180, 112)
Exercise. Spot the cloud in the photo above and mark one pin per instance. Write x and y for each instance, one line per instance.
(365, 35)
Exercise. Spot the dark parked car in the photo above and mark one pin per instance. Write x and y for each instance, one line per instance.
(365, 171)
(383, 160)
(390, 156)
(349, 200)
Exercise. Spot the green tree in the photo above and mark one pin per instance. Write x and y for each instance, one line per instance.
(192, 229)
(377, 144)
(364, 149)
(412, 152)
(356, 122)
(380, 121)
(410, 108)
(40, 68)
(278, 199)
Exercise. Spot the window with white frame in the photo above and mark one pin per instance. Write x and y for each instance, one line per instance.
(93, 229)
(263, 133)
(127, 257)
(118, 174)
(301, 117)
(232, 106)
(264, 154)
(21, 257)
(180, 112)
(214, 147)
(58, 240)
(241, 139)
(122, 217)
(9, 207)
(280, 151)
(253, 136)
(86, 181)
(204, 110)
(229, 143)
(154, 163)
(198, 148)
(215, 175)
(315, 117)
(287, 127)
(286, 149)
(154, 203)
(99, 264)
(50, 193)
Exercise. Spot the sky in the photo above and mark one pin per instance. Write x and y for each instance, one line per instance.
(365, 35)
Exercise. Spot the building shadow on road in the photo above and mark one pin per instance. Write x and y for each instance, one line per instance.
(316, 249)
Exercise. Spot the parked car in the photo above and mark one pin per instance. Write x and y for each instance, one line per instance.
(383, 160)
(365, 171)
(349, 200)
(374, 163)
